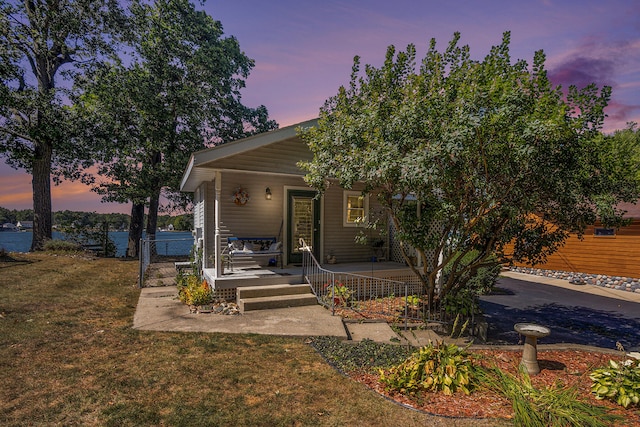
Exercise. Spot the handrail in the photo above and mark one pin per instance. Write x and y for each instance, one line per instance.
(354, 291)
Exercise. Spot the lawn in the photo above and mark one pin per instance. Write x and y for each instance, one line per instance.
(69, 356)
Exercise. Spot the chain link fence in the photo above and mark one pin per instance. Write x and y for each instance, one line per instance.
(163, 253)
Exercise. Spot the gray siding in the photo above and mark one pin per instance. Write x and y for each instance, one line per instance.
(280, 158)
(338, 239)
(258, 217)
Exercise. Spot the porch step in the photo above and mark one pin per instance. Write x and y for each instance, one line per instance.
(274, 296)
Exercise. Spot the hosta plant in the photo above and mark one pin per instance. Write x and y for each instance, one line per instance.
(442, 368)
(619, 382)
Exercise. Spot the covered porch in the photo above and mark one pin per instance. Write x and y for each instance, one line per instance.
(255, 275)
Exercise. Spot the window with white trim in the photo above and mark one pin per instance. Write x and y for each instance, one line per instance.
(355, 207)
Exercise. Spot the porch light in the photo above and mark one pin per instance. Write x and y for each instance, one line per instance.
(267, 194)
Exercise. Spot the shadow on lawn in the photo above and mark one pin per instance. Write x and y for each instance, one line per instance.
(7, 260)
(575, 325)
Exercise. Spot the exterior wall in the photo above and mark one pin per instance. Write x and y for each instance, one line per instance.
(617, 255)
(339, 240)
(266, 218)
(259, 217)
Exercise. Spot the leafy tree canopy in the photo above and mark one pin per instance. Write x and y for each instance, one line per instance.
(468, 157)
(39, 42)
(177, 92)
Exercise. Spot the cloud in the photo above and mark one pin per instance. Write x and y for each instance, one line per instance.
(582, 71)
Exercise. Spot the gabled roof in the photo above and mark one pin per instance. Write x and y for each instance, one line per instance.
(250, 153)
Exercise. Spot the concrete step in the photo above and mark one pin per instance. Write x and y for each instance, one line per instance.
(276, 301)
(272, 290)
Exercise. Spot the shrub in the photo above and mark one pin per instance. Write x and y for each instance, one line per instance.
(619, 382)
(445, 368)
(192, 290)
(62, 246)
(465, 301)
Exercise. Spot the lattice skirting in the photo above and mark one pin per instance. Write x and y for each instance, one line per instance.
(225, 294)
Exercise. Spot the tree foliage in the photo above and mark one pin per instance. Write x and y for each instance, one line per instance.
(468, 157)
(176, 93)
(38, 39)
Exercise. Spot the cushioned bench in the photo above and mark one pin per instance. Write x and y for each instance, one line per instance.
(251, 247)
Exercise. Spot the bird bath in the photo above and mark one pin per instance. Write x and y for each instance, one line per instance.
(532, 332)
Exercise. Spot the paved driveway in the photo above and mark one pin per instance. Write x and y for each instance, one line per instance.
(574, 316)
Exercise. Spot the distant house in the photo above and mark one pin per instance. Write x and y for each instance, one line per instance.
(25, 225)
(9, 227)
(602, 250)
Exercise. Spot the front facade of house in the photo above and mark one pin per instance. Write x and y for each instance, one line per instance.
(254, 188)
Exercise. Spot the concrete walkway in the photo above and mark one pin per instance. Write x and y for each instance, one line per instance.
(160, 310)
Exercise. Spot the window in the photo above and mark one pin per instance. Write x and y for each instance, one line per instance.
(356, 208)
(602, 231)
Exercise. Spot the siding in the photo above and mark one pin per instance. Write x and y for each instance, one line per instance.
(264, 218)
(258, 217)
(615, 256)
(281, 158)
(340, 240)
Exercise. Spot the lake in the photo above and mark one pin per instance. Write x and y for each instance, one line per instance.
(169, 242)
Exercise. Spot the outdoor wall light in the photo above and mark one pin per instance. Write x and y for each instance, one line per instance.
(267, 194)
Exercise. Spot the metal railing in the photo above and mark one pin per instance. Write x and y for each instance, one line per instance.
(367, 295)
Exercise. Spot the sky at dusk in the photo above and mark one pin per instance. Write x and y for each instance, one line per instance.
(303, 52)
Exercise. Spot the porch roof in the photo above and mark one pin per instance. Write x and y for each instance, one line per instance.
(255, 154)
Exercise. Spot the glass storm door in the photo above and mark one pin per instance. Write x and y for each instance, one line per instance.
(303, 223)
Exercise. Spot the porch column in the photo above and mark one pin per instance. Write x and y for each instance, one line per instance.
(218, 246)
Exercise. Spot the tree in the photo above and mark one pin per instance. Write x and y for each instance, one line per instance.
(179, 93)
(467, 157)
(39, 39)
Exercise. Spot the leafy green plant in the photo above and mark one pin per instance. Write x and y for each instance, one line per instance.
(619, 382)
(439, 367)
(414, 301)
(557, 405)
(58, 245)
(365, 355)
(340, 293)
(478, 282)
(192, 290)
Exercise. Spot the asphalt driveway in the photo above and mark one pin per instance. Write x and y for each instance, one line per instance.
(574, 316)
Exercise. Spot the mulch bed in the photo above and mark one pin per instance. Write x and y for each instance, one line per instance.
(567, 367)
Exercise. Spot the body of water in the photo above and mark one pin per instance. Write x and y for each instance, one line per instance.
(168, 243)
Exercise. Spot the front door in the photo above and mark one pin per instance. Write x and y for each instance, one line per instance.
(303, 222)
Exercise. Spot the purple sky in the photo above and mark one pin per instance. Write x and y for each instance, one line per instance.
(304, 51)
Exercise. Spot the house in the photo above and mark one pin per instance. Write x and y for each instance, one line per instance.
(25, 225)
(602, 250)
(9, 227)
(254, 188)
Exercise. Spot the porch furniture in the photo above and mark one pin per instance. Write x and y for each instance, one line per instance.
(252, 247)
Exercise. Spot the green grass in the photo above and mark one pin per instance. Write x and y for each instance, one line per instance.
(69, 356)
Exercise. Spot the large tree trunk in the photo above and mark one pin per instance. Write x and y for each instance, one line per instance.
(135, 230)
(152, 220)
(41, 185)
